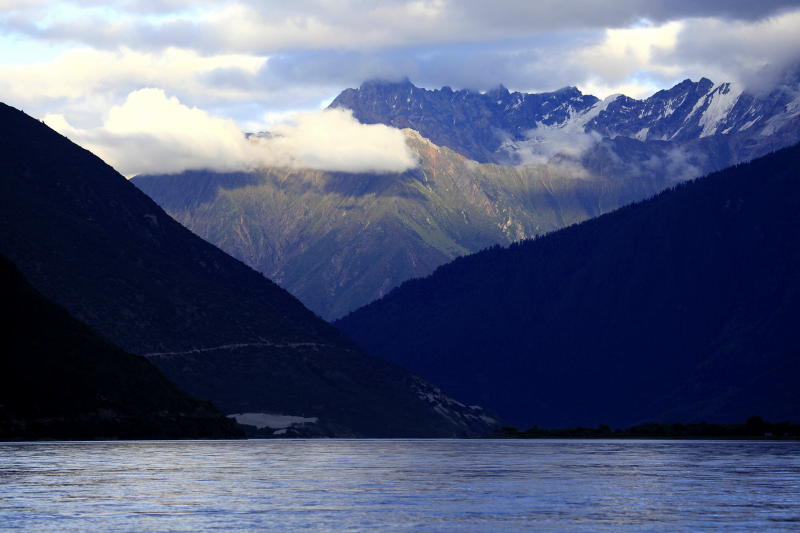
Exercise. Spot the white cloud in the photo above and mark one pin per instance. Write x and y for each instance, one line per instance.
(753, 54)
(333, 140)
(627, 50)
(601, 89)
(84, 83)
(13, 5)
(153, 133)
(558, 146)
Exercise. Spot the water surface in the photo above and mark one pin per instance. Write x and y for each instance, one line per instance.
(400, 485)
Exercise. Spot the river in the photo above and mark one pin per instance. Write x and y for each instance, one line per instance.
(400, 485)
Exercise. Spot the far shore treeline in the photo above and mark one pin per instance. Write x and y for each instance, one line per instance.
(754, 427)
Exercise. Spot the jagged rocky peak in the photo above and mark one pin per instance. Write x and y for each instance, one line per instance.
(662, 116)
(568, 91)
(379, 90)
(687, 85)
(692, 110)
(500, 91)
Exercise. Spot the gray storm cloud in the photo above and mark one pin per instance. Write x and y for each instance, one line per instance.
(634, 60)
(755, 55)
(252, 26)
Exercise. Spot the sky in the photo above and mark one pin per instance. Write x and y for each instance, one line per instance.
(94, 69)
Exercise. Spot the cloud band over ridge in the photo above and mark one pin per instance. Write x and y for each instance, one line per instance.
(153, 133)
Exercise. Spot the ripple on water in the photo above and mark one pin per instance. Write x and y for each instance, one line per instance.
(400, 485)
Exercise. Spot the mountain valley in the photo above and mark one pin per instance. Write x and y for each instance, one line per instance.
(338, 241)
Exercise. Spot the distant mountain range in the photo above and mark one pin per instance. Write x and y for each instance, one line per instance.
(60, 380)
(471, 123)
(493, 126)
(338, 241)
(87, 239)
(682, 307)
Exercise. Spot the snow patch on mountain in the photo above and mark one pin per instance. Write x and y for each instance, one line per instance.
(581, 119)
(568, 138)
(718, 104)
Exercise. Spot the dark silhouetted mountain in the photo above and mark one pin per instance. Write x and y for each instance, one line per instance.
(681, 307)
(89, 240)
(60, 380)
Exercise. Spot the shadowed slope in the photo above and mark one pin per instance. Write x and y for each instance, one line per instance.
(60, 380)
